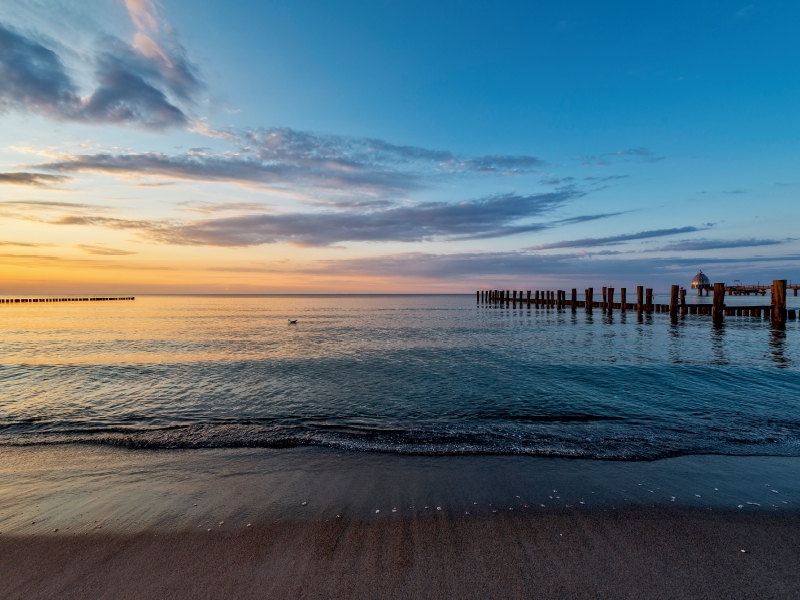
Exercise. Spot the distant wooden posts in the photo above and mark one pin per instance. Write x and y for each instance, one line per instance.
(779, 302)
(719, 302)
(529, 298)
(574, 299)
(609, 299)
(648, 299)
(589, 299)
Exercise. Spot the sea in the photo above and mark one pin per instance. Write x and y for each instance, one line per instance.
(416, 375)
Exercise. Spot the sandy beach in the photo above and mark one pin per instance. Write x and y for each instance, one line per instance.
(97, 522)
(634, 553)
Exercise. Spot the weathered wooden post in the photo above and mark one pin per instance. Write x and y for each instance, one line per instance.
(529, 298)
(574, 299)
(648, 292)
(719, 302)
(589, 299)
(623, 299)
(673, 300)
(683, 301)
(639, 298)
(779, 302)
(610, 299)
(605, 297)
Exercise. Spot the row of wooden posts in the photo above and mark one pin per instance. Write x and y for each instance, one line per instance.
(18, 300)
(644, 302)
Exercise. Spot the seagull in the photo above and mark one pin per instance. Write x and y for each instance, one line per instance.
(292, 321)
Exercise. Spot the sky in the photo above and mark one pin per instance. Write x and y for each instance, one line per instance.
(199, 146)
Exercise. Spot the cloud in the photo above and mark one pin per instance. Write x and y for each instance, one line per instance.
(32, 179)
(607, 178)
(493, 216)
(103, 251)
(23, 244)
(359, 173)
(218, 207)
(706, 244)
(737, 191)
(141, 84)
(526, 268)
(557, 180)
(632, 154)
(614, 239)
(745, 11)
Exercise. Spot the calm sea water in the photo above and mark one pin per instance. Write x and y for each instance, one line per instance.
(404, 374)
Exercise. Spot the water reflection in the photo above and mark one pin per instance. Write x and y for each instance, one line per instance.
(777, 345)
(718, 343)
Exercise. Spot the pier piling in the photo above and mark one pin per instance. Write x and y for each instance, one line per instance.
(719, 302)
(779, 302)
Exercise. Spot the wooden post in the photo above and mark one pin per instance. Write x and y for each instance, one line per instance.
(719, 302)
(673, 300)
(683, 301)
(605, 297)
(639, 298)
(623, 299)
(610, 299)
(648, 299)
(529, 298)
(779, 301)
(589, 299)
(574, 299)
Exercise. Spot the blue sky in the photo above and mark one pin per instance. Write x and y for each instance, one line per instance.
(388, 146)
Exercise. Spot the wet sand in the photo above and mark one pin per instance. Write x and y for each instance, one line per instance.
(633, 553)
(324, 524)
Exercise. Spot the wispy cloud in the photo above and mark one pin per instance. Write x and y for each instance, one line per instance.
(526, 268)
(32, 179)
(614, 239)
(493, 216)
(359, 173)
(706, 244)
(632, 154)
(142, 84)
(208, 208)
(22, 244)
(103, 250)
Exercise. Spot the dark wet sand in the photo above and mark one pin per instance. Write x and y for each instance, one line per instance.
(631, 553)
(134, 524)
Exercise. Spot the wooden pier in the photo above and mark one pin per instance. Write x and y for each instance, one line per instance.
(776, 311)
(19, 300)
(747, 290)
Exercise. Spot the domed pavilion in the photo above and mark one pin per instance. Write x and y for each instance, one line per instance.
(701, 282)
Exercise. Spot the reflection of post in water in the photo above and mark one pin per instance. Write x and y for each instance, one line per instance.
(777, 343)
(717, 342)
